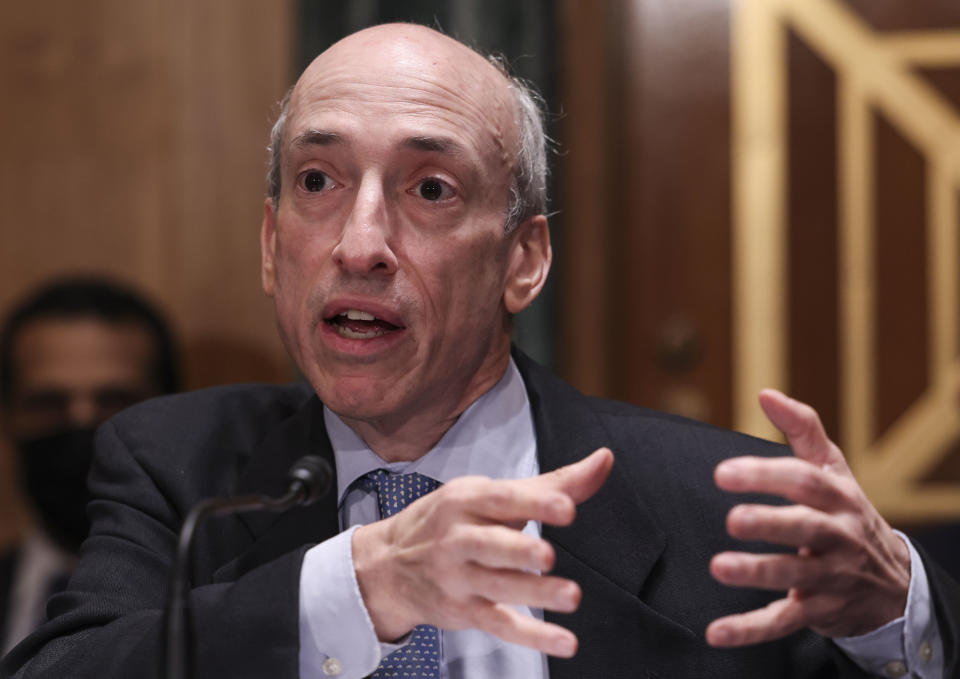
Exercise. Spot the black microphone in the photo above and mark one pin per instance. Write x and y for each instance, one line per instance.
(310, 479)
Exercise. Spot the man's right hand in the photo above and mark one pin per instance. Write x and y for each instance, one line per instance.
(457, 558)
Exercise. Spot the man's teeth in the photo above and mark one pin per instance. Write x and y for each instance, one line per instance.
(355, 315)
(345, 330)
(354, 334)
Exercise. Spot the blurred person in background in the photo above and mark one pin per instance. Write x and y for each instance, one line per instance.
(72, 353)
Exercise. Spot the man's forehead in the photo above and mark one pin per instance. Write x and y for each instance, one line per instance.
(62, 336)
(82, 350)
(312, 136)
(407, 70)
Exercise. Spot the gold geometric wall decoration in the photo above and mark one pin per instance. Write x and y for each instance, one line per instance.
(874, 73)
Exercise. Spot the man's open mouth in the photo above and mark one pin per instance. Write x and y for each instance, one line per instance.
(355, 324)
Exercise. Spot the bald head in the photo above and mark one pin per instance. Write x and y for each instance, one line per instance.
(408, 55)
(406, 38)
(437, 77)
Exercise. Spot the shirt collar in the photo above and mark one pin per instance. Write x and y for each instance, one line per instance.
(489, 439)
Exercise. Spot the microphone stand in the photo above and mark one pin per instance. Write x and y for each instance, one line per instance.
(310, 479)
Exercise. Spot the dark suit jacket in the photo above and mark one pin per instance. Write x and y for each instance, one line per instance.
(639, 548)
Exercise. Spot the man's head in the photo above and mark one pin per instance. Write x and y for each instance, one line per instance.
(404, 226)
(77, 351)
(72, 354)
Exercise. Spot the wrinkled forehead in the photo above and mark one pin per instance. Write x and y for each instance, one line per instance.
(415, 74)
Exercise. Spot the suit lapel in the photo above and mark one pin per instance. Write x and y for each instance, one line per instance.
(610, 550)
(266, 473)
(614, 533)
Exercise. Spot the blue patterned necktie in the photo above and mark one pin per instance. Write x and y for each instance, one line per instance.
(419, 659)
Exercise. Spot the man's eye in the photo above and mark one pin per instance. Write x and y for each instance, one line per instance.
(113, 400)
(434, 189)
(48, 401)
(315, 181)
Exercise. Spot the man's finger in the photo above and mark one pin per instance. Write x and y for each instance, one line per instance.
(502, 547)
(787, 477)
(512, 502)
(766, 571)
(524, 589)
(777, 619)
(794, 526)
(510, 625)
(802, 427)
(582, 479)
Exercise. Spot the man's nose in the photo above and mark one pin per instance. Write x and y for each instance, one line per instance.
(83, 412)
(364, 245)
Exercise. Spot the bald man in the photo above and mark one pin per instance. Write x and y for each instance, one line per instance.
(481, 525)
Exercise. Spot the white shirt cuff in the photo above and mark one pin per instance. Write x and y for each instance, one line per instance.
(337, 638)
(911, 644)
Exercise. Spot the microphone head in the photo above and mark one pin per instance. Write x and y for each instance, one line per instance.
(314, 476)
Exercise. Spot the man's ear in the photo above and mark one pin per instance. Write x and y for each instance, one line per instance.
(268, 247)
(529, 262)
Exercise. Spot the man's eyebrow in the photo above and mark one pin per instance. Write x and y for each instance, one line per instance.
(433, 145)
(316, 138)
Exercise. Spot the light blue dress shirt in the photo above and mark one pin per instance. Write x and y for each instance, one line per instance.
(495, 437)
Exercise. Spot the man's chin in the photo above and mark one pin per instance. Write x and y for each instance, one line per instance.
(359, 398)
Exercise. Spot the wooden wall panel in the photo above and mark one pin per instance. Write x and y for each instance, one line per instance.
(582, 251)
(135, 146)
(675, 173)
(813, 286)
(901, 257)
(916, 15)
(645, 190)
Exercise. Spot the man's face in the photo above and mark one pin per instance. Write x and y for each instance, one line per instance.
(75, 373)
(386, 255)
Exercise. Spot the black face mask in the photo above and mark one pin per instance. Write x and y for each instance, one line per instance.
(53, 472)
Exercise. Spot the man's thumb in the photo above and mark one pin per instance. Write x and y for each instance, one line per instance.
(582, 479)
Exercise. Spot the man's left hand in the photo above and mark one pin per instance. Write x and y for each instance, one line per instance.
(850, 573)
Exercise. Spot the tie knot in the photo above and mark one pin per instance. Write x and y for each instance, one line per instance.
(396, 491)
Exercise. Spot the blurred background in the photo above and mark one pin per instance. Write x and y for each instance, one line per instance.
(748, 193)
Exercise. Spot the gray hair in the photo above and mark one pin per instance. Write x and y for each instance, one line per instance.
(276, 143)
(528, 190)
